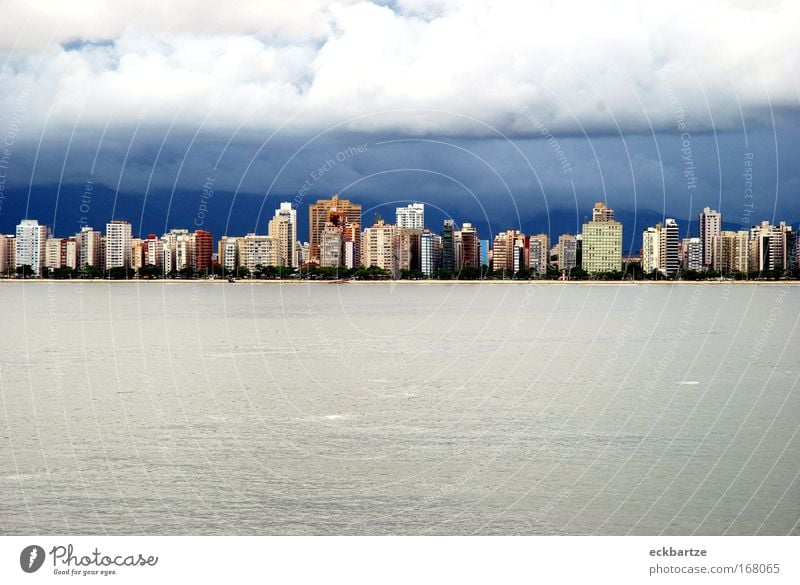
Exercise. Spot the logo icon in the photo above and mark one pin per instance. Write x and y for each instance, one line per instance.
(31, 558)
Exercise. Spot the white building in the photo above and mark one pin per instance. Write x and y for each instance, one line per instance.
(283, 227)
(710, 222)
(31, 241)
(118, 244)
(90, 248)
(692, 249)
(430, 252)
(412, 216)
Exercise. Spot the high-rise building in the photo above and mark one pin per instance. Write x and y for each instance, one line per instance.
(8, 254)
(567, 250)
(448, 245)
(351, 245)
(539, 253)
(137, 253)
(90, 248)
(378, 246)
(118, 244)
(31, 242)
(412, 216)
(503, 252)
(202, 248)
(670, 248)
(710, 223)
(52, 253)
(152, 252)
(228, 253)
(651, 249)
(409, 241)
(661, 249)
(602, 242)
(330, 249)
(177, 248)
(255, 251)
(692, 254)
(469, 251)
(430, 252)
(334, 210)
(768, 247)
(283, 227)
(485, 253)
(731, 252)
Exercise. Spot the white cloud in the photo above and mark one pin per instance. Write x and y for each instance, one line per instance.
(428, 66)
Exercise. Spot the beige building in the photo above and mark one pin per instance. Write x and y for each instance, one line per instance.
(334, 210)
(503, 252)
(539, 251)
(7, 254)
(567, 251)
(257, 251)
(228, 253)
(378, 246)
(137, 253)
(90, 248)
(330, 247)
(730, 252)
(602, 242)
(283, 228)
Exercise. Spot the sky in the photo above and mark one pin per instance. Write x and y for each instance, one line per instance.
(506, 114)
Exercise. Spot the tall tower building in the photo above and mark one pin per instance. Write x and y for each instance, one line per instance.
(8, 252)
(602, 242)
(539, 253)
(287, 240)
(430, 252)
(31, 242)
(334, 210)
(710, 224)
(330, 248)
(202, 248)
(448, 245)
(408, 249)
(670, 248)
(118, 244)
(283, 230)
(379, 246)
(90, 248)
(692, 249)
(411, 216)
(651, 249)
(470, 249)
(567, 248)
(731, 252)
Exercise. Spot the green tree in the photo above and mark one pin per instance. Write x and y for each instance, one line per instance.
(25, 271)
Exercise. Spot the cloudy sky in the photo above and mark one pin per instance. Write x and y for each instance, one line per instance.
(503, 113)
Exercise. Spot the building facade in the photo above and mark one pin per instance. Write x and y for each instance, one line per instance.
(602, 242)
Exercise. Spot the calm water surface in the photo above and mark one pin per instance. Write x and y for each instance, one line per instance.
(206, 408)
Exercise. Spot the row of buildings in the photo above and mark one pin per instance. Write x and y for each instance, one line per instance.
(763, 247)
(337, 240)
(33, 246)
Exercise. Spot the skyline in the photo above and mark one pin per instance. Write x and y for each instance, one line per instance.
(340, 239)
(387, 102)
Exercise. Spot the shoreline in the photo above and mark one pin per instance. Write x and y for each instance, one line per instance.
(295, 282)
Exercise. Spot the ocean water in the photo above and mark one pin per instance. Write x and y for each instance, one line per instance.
(211, 408)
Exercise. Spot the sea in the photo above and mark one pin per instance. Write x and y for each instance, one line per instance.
(210, 408)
